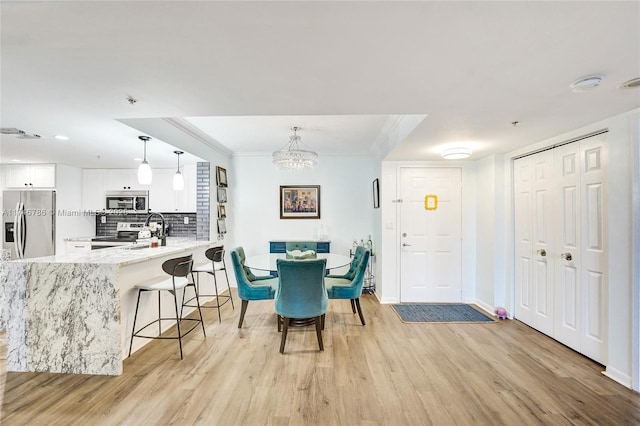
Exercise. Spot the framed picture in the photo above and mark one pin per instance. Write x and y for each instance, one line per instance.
(376, 193)
(222, 195)
(222, 227)
(221, 176)
(222, 211)
(300, 202)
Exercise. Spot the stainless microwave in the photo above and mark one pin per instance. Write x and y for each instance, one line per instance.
(128, 201)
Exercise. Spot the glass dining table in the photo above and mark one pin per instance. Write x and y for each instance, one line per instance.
(268, 262)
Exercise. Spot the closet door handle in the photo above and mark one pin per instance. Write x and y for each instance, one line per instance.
(566, 256)
(542, 252)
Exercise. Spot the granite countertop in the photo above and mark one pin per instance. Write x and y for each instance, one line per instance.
(123, 255)
(79, 238)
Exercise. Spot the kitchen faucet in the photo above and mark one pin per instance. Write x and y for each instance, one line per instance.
(161, 236)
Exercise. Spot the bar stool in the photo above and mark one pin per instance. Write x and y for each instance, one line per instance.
(179, 269)
(217, 263)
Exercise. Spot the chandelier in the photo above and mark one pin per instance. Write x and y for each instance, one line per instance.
(291, 157)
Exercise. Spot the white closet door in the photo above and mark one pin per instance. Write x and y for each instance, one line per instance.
(560, 201)
(566, 251)
(534, 199)
(594, 271)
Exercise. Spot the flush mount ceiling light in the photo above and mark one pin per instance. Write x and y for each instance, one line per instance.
(586, 83)
(630, 84)
(291, 157)
(456, 153)
(144, 170)
(178, 179)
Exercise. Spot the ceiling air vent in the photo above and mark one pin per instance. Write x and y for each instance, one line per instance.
(630, 84)
(20, 134)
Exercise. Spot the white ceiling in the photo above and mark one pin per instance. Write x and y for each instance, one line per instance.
(242, 73)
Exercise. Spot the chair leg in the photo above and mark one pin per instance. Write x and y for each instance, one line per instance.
(215, 284)
(319, 331)
(279, 318)
(228, 285)
(243, 310)
(195, 289)
(133, 330)
(175, 300)
(285, 328)
(353, 306)
(159, 315)
(359, 310)
(323, 315)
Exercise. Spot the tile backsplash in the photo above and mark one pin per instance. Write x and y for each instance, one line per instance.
(177, 227)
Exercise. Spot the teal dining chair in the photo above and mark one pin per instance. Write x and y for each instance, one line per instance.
(353, 266)
(301, 295)
(250, 287)
(342, 287)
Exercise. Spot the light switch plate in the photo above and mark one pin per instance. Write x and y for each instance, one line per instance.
(103, 219)
(186, 220)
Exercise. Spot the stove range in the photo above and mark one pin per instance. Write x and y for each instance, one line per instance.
(127, 233)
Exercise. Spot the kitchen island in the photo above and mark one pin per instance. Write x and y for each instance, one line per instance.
(73, 313)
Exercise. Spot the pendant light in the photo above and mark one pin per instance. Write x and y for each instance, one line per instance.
(144, 170)
(178, 179)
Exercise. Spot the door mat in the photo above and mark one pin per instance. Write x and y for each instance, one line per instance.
(440, 312)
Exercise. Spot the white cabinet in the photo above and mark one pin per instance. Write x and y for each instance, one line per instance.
(77, 246)
(186, 199)
(94, 186)
(119, 179)
(162, 197)
(30, 175)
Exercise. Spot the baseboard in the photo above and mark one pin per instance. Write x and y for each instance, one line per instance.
(485, 307)
(618, 376)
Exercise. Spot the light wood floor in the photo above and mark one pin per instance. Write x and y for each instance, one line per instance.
(386, 373)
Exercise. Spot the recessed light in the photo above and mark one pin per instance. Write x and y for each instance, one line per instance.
(61, 137)
(586, 83)
(630, 84)
(456, 153)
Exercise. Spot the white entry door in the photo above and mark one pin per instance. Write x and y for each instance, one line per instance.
(430, 234)
(560, 244)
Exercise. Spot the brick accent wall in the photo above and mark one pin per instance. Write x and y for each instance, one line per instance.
(203, 201)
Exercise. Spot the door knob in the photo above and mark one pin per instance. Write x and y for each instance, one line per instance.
(542, 252)
(406, 245)
(567, 256)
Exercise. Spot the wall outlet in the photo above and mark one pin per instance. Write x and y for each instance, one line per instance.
(103, 219)
(186, 220)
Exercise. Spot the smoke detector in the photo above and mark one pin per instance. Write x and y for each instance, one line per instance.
(586, 83)
(20, 134)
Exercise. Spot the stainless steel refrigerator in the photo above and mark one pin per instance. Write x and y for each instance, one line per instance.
(29, 223)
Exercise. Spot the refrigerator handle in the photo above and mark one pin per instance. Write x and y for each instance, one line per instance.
(16, 231)
(23, 230)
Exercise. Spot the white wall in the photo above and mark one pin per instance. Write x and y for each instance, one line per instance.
(68, 203)
(346, 202)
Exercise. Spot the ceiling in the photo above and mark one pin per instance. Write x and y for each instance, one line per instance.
(239, 75)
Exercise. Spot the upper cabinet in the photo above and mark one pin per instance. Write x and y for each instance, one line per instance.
(162, 197)
(123, 179)
(94, 188)
(30, 176)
